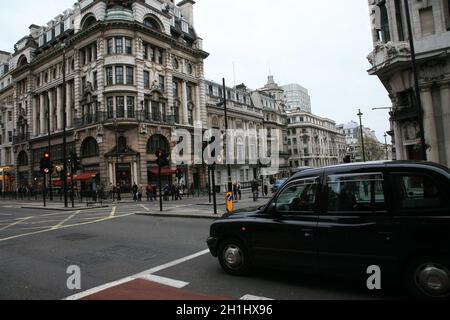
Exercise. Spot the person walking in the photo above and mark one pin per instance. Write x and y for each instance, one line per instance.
(135, 192)
(235, 192)
(239, 190)
(140, 192)
(255, 190)
(118, 191)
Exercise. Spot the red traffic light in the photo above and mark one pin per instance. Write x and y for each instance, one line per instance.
(46, 155)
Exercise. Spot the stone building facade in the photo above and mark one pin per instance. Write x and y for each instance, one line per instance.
(391, 62)
(313, 141)
(134, 74)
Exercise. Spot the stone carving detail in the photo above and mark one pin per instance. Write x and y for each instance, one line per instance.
(387, 51)
(100, 131)
(411, 131)
(143, 128)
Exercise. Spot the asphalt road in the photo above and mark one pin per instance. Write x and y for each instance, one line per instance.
(37, 247)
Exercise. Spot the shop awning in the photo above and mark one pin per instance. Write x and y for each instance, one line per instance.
(85, 176)
(164, 171)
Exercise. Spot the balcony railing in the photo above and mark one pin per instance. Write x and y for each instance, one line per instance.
(21, 138)
(136, 116)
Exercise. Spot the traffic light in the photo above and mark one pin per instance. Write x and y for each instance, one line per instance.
(46, 165)
(162, 158)
(76, 163)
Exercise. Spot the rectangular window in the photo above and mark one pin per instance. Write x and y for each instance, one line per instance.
(356, 193)
(160, 56)
(109, 76)
(120, 107)
(119, 45)
(399, 18)
(189, 93)
(130, 107)
(130, 75)
(110, 46)
(128, 46)
(110, 107)
(10, 136)
(175, 89)
(162, 81)
(146, 80)
(151, 51)
(155, 111)
(10, 116)
(95, 80)
(145, 53)
(427, 21)
(119, 75)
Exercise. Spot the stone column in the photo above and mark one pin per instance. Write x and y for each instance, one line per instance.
(198, 116)
(184, 103)
(51, 110)
(135, 173)
(429, 124)
(59, 108)
(35, 115)
(445, 101)
(42, 114)
(111, 173)
(69, 105)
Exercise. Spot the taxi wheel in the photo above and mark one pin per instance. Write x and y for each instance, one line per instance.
(233, 257)
(429, 278)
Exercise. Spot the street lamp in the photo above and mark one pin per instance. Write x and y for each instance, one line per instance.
(386, 145)
(360, 114)
(416, 80)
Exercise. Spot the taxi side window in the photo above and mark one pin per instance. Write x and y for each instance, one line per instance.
(299, 197)
(418, 191)
(356, 193)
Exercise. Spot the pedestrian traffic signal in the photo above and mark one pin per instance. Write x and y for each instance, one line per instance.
(76, 163)
(162, 158)
(46, 165)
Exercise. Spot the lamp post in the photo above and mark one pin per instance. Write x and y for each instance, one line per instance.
(66, 202)
(416, 80)
(386, 146)
(230, 183)
(360, 114)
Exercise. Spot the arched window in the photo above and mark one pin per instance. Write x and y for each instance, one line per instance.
(88, 21)
(89, 148)
(384, 34)
(22, 61)
(152, 23)
(22, 159)
(156, 142)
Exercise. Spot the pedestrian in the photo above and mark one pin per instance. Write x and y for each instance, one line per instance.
(118, 191)
(140, 192)
(235, 191)
(255, 190)
(239, 190)
(148, 191)
(135, 192)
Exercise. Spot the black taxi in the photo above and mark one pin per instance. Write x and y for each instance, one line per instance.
(346, 218)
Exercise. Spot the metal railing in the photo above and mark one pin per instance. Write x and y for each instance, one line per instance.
(137, 116)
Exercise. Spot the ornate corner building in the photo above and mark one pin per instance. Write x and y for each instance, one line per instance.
(134, 74)
(391, 62)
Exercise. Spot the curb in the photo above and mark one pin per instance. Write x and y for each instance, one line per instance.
(64, 209)
(168, 215)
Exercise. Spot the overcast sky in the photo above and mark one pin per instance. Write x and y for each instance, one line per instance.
(318, 44)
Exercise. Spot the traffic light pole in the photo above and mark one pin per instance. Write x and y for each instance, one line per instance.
(44, 191)
(213, 178)
(50, 153)
(160, 189)
(66, 204)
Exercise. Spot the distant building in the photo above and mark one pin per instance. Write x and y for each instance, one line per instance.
(297, 97)
(313, 141)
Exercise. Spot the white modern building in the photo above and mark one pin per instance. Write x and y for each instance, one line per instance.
(297, 97)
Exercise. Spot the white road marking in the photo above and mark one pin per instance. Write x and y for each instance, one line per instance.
(145, 208)
(59, 225)
(5, 214)
(144, 274)
(15, 223)
(113, 212)
(250, 297)
(166, 281)
(64, 227)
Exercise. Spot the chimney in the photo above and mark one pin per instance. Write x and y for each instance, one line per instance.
(187, 10)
